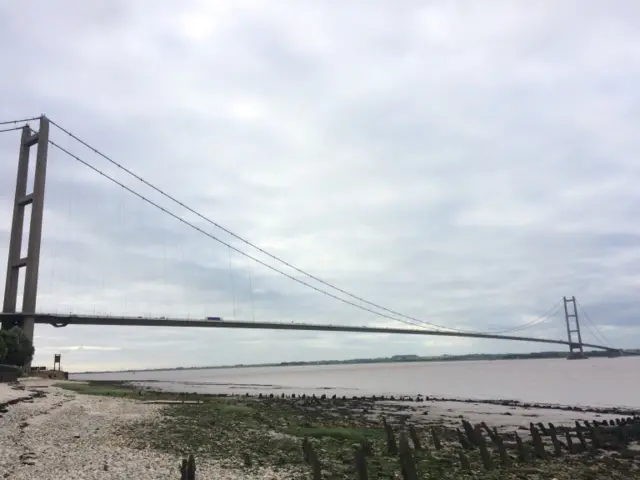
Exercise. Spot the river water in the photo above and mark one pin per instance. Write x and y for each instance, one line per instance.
(598, 382)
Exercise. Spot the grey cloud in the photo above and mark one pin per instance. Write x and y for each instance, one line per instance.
(465, 166)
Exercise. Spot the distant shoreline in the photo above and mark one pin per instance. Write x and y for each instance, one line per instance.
(380, 360)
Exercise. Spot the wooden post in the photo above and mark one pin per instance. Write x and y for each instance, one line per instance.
(493, 434)
(537, 443)
(621, 435)
(365, 446)
(583, 442)
(311, 458)
(595, 437)
(305, 449)
(569, 443)
(522, 450)
(469, 430)
(436, 439)
(484, 451)
(361, 465)
(464, 461)
(191, 468)
(392, 446)
(415, 438)
(463, 440)
(407, 461)
(505, 459)
(557, 445)
(188, 469)
(542, 428)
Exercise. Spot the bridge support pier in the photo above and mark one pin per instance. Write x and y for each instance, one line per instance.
(31, 260)
(576, 351)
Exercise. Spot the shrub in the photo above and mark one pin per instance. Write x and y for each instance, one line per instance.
(3, 349)
(18, 348)
(10, 369)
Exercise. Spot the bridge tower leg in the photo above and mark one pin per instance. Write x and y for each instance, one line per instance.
(571, 316)
(31, 260)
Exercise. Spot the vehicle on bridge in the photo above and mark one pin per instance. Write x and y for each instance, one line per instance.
(215, 319)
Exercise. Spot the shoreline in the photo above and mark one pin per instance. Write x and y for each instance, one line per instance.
(147, 385)
(472, 357)
(121, 431)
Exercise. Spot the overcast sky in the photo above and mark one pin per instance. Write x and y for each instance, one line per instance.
(465, 163)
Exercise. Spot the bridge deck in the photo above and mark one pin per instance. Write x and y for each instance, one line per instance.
(64, 320)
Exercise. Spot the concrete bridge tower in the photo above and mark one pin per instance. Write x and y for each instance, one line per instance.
(29, 260)
(576, 351)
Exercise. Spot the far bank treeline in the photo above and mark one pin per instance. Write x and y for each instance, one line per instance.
(445, 358)
(453, 358)
(15, 348)
(396, 359)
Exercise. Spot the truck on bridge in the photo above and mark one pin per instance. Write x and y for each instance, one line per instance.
(214, 319)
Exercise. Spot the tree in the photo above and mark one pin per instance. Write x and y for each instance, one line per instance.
(18, 348)
(3, 349)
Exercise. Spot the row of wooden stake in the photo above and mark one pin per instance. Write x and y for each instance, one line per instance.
(608, 435)
(590, 436)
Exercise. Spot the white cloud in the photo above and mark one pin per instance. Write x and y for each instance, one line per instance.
(89, 347)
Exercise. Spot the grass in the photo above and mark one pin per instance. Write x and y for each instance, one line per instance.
(354, 435)
(118, 389)
(240, 409)
(241, 431)
(97, 389)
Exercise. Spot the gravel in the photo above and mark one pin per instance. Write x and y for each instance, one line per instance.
(8, 393)
(64, 435)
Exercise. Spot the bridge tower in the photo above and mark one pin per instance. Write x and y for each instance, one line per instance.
(31, 259)
(571, 317)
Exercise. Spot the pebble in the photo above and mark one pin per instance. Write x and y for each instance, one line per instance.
(66, 436)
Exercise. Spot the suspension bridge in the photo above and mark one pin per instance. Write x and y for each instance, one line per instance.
(34, 199)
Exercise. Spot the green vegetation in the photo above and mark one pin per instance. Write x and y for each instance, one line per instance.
(244, 433)
(15, 348)
(247, 431)
(118, 389)
(3, 349)
(101, 389)
(339, 433)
